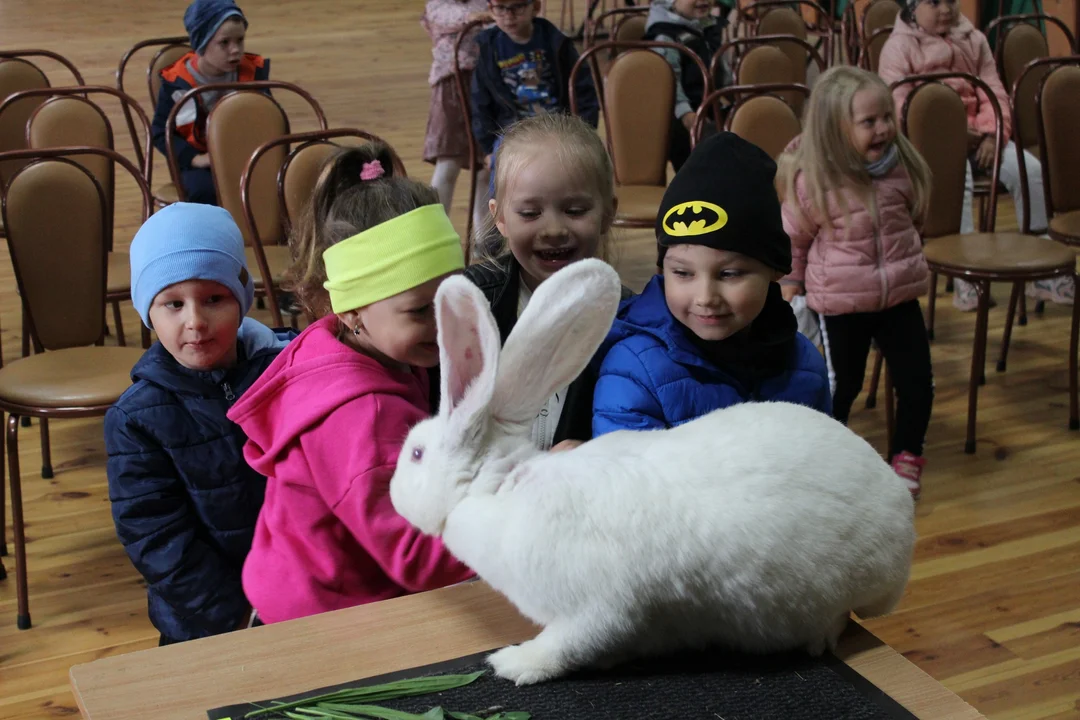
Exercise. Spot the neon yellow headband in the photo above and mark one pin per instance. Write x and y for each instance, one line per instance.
(392, 257)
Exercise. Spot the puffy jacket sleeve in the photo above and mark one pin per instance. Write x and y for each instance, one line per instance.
(801, 228)
(484, 103)
(984, 118)
(158, 529)
(895, 64)
(354, 479)
(675, 59)
(624, 397)
(185, 153)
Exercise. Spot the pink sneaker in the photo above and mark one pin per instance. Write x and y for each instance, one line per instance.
(910, 468)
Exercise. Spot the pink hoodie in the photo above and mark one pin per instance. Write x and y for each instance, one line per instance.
(910, 50)
(325, 425)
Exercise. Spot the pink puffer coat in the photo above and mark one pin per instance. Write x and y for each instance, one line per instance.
(854, 266)
(910, 50)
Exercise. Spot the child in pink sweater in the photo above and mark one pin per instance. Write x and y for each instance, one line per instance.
(325, 422)
(854, 191)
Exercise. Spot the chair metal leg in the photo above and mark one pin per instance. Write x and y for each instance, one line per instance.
(931, 304)
(1022, 320)
(25, 333)
(1040, 305)
(260, 302)
(23, 615)
(875, 378)
(120, 339)
(978, 361)
(949, 285)
(1014, 299)
(1074, 345)
(46, 451)
(3, 500)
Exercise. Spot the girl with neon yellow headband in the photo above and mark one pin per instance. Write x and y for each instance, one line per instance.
(325, 422)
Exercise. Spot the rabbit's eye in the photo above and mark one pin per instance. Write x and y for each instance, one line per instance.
(418, 454)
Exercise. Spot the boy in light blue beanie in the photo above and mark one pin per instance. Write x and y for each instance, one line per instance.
(184, 501)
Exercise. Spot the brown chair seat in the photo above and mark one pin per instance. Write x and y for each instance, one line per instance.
(167, 193)
(638, 202)
(993, 254)
(119, 273)
(1065, 227)
(277, 257)
(74, 377)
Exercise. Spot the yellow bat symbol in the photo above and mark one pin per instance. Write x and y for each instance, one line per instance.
(703, 217)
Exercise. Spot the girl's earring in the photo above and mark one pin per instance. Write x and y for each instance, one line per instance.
(356, 330)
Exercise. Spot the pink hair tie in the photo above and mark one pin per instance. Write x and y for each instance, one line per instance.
(372, 171)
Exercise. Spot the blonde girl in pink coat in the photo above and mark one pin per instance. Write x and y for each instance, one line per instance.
(932, 36)
(853, 191)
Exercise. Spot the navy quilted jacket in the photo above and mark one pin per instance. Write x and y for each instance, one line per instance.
(183, 500)
(653, 376)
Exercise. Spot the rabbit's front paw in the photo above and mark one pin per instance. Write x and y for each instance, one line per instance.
(526, 664)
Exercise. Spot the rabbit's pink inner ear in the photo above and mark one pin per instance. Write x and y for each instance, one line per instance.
(461, 350)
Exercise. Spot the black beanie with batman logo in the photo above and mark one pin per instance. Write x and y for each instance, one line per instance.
(724, 198)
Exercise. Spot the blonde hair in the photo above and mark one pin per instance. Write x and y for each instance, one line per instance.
(826, 156)
(342, 205)
(578, 149)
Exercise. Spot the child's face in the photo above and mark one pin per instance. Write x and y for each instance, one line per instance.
(400, 329)
(197, 321)
(692, 9)
(937, 17)
(515, 17)
(225, 49)
(872, 126)
(715, 293)
(550, 217)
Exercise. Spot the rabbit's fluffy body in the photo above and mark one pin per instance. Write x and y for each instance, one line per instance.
(758, 527)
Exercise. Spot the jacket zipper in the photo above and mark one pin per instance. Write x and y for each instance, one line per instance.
(230, 396)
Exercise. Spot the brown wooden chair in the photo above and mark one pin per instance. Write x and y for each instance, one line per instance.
(1021, 39)
(241, 121)
(168, 51)
(619, 24)
(760, 114)
(464, 96)
(297, 174)
(787, 17)
(935, 120)
(764, 60)
(637, 100)
(75, 375)
(878, 14)
(17, 73)
(67, 118)
(872, 45)
(1058, 110)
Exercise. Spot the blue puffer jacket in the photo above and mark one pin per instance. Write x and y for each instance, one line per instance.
(183, 499)
(653, 376)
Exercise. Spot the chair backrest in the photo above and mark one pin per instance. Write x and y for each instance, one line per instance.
(769, 64)
(879, 14)
(766, 121)
(935, 120)
(639, 107)
(162, 59)
(298, 175)
(1021, 44)
(70, 120)
(1059, 143)
(59, 257)
(239, 123)
(630, 28)
(16, 75)
(872, 47)
(786, 21)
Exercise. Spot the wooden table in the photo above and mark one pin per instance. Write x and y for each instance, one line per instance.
(186, 680)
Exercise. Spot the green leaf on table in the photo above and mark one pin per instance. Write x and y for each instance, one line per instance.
(374, 693)
(435, 713)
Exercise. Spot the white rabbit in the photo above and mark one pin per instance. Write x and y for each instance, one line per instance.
(758, 527)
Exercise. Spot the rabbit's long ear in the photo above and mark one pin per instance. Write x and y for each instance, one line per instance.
(468, 354)
(567, 318)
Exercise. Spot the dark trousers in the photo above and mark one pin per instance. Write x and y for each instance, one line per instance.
(900, 334)
(679, 142)
(199, 186)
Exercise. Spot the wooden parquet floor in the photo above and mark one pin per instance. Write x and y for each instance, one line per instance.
(993, 608)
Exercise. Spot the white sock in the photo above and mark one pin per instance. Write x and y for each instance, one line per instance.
(444, 179)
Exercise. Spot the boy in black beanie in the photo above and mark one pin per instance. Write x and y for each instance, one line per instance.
(712, 328)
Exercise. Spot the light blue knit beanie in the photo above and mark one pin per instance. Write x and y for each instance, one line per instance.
(188, 241)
